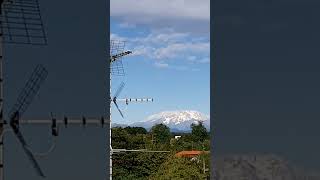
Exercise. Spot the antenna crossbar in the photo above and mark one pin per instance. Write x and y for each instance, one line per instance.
(117, 56)
(63, 121)
(127, 100)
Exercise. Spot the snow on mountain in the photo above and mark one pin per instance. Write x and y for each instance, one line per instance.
(175, 120)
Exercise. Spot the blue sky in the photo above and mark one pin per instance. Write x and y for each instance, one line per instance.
(170, 41)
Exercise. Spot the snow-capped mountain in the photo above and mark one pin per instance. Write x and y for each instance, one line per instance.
(175, 120)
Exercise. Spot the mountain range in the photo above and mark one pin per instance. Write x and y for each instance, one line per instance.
(177, 121)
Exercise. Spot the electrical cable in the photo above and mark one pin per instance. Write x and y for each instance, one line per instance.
(37, 154)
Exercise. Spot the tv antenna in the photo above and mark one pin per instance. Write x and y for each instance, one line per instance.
(24, 99)
(117, 52)
(21, 23)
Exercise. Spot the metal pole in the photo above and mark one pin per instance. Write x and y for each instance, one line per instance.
(111, 152)
(204, 165)
(73, 121)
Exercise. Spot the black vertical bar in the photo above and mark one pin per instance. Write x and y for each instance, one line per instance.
(108, 125)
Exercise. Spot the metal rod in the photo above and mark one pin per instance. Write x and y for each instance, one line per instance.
(117, 56)
(111, 151)
(14, 12)
(20, 28)
(27, 10)
(137, 150)
(26, 18)
(61, 121)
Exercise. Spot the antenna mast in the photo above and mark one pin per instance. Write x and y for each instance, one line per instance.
(116, 68)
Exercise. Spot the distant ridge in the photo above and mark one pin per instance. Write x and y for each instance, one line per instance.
(177, 121)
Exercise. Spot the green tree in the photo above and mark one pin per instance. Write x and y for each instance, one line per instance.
(199, 132)
(119, 138)
(161, 133)
(178, 169)
(135, 130)
(137, 165)
(128, 138)
(133, 165)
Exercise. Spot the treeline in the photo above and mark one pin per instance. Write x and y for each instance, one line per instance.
(160, 165)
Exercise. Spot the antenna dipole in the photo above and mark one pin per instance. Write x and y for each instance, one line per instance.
(129, 100)
(116, 54)
(29, 91)
(24, 99)
(115, 57)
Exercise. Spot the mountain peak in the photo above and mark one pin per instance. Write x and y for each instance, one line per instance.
(176, 120)
(178, 117)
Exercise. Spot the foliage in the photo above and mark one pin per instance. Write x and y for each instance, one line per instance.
(135, 130)
(151, 165)
(161, 133)
(134, 165)
(178, 169)
(137, 165)
(121, 139)
(199, 132)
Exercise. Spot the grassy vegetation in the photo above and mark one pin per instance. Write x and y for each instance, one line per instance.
(163, 166)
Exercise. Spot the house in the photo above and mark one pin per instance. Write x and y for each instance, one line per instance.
(190, 154)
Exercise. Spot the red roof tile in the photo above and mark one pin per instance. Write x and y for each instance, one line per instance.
(190, 153)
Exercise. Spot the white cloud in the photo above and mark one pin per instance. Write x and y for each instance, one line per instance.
(165, 37)
(150, 10)
(117, 37)
(180, 68)
(173, 67)
(168, 47)
(181, 50)
(183, 15)
(127, 25)
(177, 30)
(161, 65)
(195, 60)
(204, 60)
